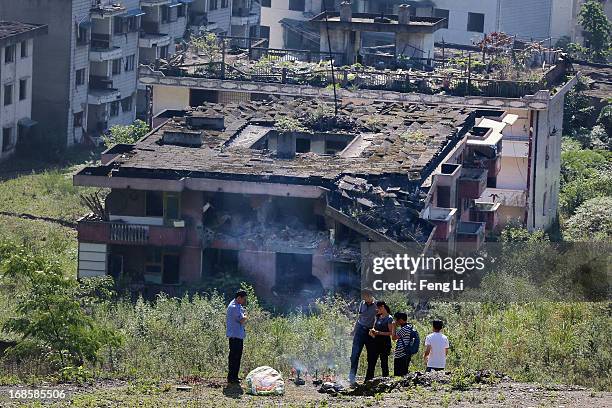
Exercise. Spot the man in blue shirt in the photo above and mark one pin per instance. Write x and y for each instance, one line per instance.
(235, 320)
(360, 333)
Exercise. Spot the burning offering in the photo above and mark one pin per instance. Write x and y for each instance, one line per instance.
(265, 381)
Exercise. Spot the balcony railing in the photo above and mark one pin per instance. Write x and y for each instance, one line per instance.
(101, 41)
(100, 82)
(108, 232)
(136, 234)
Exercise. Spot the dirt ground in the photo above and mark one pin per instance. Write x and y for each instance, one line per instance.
(214, 393)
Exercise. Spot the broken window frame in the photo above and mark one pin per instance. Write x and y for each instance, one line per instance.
(442, 13)
(116, 66)
(9, 54)
(114, 109)
(8, 95)
(80, 77)
(7, 138)
(24, 49)
(23, 89)
(77, 120)
(157, 264)
(475, 26)
(148, 200)
(168, 218)
(127, 104)
(130, 63)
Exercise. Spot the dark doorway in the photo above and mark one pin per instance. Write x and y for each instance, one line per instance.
(171, 269)
(294, 276)
(302, 145)
(443, 196)
(218, 261)
(115, 268)
(198, 96)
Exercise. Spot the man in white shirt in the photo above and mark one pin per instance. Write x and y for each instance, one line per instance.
(436, 348)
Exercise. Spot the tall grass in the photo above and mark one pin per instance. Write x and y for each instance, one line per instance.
(546, 342)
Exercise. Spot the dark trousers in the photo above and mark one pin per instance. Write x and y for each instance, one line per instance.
(360, 339)
(400, 366)
(381, 351)
(233, 360)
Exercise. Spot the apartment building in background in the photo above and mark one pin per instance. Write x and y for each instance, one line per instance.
(87, 78)
(16, 76)
(88, 81)
(285, 22)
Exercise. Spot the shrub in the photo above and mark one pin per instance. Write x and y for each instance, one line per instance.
(591, 222)
(125, 134)
(49, 317)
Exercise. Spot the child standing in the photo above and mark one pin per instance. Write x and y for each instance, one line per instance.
(436, 348)
(407, 343)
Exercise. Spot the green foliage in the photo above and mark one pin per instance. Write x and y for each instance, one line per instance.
(462, 379)
(516, 232)
(578, 112)
(76, 374)
(532, 341)
(575, 193)
(591, 222)
(48, 315)
(207, 46)
(605, 121)
(597, 28)
(126, 134)
(574, 50)
(585, 174)
(288, 124)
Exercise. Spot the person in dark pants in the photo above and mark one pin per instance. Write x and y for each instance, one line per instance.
(381, 333)
(235, 320)
(405, 335)
(361, 336)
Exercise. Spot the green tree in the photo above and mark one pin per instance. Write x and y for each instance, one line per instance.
(605, 121)
(125, 134)
(578, 111)
(207, 46)
(49, 317)
(591, 222)
(597, 27)
(585, 174)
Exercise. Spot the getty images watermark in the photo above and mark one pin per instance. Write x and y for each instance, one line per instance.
(390, 268)
(550, 270)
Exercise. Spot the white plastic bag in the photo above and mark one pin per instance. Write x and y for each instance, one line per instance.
(265, 381)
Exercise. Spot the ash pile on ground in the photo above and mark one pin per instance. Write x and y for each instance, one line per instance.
(387, 384)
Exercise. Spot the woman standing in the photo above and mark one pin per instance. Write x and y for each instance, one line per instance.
(383, 326)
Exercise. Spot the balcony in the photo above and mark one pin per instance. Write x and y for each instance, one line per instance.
(102, 41)
(485, 212)
(470, 235)
(100, 82)
(102, 96)
(444, 219)
(153, 40)
(108, 232)
(104, 11)
(101, 54)
(472, 182)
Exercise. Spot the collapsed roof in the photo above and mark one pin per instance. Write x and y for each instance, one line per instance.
(372, 161)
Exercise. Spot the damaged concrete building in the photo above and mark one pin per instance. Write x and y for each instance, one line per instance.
(285, 192)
